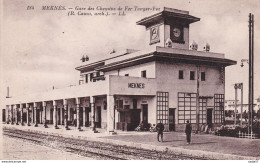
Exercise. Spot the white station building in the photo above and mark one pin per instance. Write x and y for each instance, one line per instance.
(168, 81)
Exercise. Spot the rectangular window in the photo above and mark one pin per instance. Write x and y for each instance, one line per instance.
(119, 104)
(192, 75)
(98, 74)
(126, 74)
(86, 78)
(187, 107)
(219, 108)
(91, 76)
(143, 74)
(203, 110)
(203, 76)
(180, 74)
(162, 107)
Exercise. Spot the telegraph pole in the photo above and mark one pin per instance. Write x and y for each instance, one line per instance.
(251, 73)
(235, 122)
(241, 116)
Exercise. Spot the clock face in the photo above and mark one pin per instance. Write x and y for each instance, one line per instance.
(154, 34)
(176, 32)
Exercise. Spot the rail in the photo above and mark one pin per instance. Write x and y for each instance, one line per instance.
(94, 149)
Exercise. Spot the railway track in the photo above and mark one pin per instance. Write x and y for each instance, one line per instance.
(94, 149)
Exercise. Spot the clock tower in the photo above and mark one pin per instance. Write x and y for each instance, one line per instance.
(169, 28)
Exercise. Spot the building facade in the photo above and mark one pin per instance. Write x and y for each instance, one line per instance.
(168, 81)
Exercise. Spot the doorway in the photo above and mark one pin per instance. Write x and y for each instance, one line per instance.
(88, 112)
(172, 119)
(209, 116)
(3, 114)
(81, 116)
(58, 116)
(145, 113)
(51, 116)
(98, 117)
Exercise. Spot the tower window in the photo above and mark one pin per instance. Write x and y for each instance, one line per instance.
(180, 74)
(143, 74)
(192, 75)
(203, 76)
(126, 74)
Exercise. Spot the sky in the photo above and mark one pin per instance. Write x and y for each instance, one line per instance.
(40, 49)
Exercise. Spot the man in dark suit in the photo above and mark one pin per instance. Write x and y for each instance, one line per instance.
(160, 128)
(188, 131)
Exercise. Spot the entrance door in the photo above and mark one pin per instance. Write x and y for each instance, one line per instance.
(58, 116)
(3, 114)
(88, 112)
(37, 116)
(145, 113)
(98, 117)
(51, 116)
(81, 116)
(209, 116)
(172, 119)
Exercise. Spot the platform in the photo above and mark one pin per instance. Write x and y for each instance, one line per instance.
(210, 146)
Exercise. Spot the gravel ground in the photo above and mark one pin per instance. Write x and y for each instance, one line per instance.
(14, 149)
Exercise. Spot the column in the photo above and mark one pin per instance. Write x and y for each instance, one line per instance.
(35, 115)
(68, 113)
(110, 113)
(32, 118)
(65, 103)
(77, 101)
(44, 109)
(32, 115)
(55, 114)
(84, 116)
(92, 104)
(21, 107)
(40, 116)
(12, 114)
(7, 114)
(61, 116)
(16, 114)
(27, 109)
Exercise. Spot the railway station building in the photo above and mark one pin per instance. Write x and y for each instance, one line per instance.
(169, 81)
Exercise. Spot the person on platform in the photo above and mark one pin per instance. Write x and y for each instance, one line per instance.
(160, 128)
(188, 131)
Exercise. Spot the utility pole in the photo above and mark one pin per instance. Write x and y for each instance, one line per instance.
(235, 122)
(241, 116)
(251, 73)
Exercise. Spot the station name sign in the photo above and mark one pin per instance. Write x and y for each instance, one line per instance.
(136, 85)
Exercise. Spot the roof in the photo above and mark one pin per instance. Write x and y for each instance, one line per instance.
(159, 54)
(167, 15)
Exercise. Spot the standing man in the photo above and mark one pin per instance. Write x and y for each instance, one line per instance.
(160, 128)
(188, 131)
